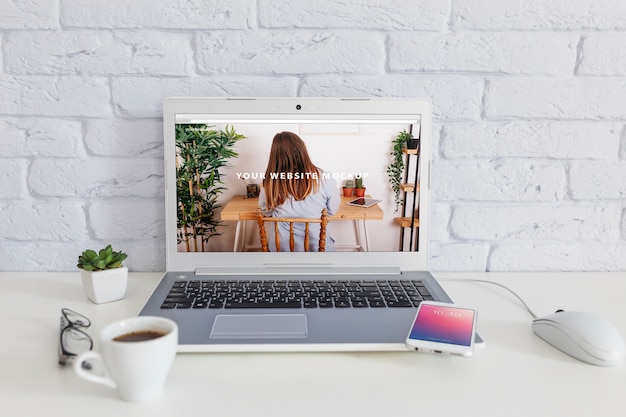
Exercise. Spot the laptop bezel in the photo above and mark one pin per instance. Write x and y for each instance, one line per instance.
(296, 108)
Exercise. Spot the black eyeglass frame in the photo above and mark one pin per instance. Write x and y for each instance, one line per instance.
(76, 324)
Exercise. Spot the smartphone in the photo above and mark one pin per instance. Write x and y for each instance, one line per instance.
(443, 328)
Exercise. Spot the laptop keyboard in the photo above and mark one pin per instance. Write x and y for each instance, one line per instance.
(229, 294)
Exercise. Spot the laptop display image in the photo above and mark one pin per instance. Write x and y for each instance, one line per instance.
(361, 292)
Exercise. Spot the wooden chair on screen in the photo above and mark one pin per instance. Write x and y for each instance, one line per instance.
(322, 220)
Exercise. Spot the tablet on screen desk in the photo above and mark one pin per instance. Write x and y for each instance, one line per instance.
(363, 202)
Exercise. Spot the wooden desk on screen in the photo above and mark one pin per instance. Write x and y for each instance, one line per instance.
(242, 209)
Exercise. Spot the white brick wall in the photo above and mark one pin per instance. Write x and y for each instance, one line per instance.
(529, 146)
(501, 52)
(98, 53)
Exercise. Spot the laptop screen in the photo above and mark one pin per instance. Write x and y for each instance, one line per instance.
(218, 168)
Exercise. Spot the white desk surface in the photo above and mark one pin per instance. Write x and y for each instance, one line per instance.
(516, 374)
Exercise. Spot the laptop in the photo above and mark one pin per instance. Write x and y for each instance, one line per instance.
(228, 296)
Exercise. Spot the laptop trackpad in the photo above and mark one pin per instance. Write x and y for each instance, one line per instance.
(262, 326)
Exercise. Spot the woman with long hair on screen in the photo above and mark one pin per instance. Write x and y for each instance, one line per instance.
(294, 187)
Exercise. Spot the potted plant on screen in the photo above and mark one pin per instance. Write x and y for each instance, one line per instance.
(359, 191)
(103, 275)
(203, 152)
(395, 170)
(348, 188)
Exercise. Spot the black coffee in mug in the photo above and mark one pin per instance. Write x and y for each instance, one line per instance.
(139, 336)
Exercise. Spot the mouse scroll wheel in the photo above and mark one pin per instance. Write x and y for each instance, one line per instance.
(559, 311)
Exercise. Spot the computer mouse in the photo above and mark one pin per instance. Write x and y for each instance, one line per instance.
(585, 336)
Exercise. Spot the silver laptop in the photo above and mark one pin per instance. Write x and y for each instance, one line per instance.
(227, 295)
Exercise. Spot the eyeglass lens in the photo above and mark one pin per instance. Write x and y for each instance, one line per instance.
(75, 319)
(73, 340)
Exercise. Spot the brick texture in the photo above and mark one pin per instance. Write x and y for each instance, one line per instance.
(529, 101)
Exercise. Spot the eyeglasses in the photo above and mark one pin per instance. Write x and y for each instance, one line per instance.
(73, 340)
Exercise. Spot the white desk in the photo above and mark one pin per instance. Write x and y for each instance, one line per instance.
(516, 374)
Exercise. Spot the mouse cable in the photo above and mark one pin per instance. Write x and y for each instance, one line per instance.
(484, 281)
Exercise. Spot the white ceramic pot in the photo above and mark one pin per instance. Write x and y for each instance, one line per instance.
(105, 286)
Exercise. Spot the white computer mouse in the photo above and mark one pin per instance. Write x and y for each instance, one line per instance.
(585, 336)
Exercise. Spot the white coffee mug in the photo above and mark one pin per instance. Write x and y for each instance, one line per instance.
(136, 355)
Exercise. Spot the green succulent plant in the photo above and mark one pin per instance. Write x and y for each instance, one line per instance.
(349, 184)
(359, 182)
(106, 258)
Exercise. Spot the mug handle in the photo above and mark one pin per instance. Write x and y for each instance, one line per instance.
(93, 357)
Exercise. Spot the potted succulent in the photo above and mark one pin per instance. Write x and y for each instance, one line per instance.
(103, 276)
(348, 188)
(359, 191)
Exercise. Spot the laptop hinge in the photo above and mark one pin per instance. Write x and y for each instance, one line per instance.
(296, 269)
